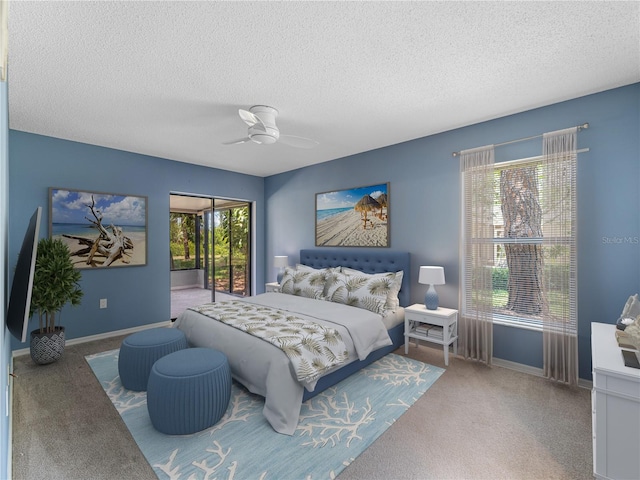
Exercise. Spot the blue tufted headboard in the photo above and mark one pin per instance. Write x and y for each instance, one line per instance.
(368, 261)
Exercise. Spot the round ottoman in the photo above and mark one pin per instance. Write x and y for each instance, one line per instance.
(188, 390)
(139, 352)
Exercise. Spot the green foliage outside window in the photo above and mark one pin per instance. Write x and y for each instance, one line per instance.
(554, 273)
(230, 246)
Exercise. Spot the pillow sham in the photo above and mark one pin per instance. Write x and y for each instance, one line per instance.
(393, 303)
(361, 290)
(304, 281)
(324, 271)
(327, 273)
(286, 284)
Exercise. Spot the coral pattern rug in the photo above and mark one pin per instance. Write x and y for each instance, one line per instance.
(335, 426)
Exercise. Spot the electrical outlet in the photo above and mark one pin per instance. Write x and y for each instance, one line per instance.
(103, 303)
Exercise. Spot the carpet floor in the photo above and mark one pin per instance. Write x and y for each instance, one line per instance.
(473, 423)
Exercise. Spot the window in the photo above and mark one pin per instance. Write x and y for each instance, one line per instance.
(518, 256)
(530, 243)
(182, 231)
(186, 240)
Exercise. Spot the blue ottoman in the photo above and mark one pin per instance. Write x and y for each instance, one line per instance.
(188, 391)
(139, 352)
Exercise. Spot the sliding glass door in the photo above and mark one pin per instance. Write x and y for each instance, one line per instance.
(210, 250)
(232, 247)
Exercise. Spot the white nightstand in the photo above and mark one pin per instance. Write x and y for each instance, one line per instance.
(272, 287)
(445, 321)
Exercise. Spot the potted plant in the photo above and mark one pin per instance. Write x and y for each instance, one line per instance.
(55, 284)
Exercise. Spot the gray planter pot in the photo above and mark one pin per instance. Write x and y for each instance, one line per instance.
(47, 347)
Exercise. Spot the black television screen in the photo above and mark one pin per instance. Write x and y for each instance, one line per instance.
(21, 288)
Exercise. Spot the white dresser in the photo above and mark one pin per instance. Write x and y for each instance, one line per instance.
(616, 408)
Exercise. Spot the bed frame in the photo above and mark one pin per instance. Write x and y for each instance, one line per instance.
(368, 261)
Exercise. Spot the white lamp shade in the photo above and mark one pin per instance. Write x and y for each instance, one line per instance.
(431, 275)
(280, 261)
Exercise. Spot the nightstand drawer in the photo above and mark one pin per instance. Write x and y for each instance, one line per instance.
(419, 317)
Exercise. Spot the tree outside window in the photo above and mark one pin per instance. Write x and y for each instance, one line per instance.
(528, 277)
(182, 235)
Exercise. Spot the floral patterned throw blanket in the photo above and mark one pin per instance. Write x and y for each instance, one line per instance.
(312, 348)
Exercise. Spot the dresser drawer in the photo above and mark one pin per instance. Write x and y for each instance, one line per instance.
(614, 384)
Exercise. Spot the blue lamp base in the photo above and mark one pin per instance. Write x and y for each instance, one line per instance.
(279, 276)
(431, 298)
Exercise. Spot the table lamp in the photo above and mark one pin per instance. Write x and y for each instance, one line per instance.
(280, 261)
(431, 276)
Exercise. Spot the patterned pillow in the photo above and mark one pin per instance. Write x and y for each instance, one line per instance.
(324, 271)
(327, 273)
(361, 290)
(304, 282)
(286, 284)
(393, 303)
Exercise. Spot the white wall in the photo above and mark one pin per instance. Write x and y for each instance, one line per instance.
(5, 451)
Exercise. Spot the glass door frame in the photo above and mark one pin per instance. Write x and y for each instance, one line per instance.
(195, 204)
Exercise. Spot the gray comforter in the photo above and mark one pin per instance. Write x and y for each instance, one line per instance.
(263, 368)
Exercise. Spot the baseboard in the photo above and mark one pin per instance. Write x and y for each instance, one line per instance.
(518, 367)
(187, 287)
(538, 372)
(102, 336)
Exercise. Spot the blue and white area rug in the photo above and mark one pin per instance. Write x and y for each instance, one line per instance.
(335, 426)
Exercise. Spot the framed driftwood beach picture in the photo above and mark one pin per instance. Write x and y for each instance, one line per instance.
(357, 217)
(102, 230)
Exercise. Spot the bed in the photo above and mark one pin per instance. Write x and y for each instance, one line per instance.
(265, 370)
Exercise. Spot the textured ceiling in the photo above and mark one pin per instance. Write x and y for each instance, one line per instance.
(167, 78)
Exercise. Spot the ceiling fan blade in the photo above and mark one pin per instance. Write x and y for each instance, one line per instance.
(249, 118)
(298, 142)
(235, 142)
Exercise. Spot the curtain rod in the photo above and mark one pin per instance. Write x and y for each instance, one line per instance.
(584, 126)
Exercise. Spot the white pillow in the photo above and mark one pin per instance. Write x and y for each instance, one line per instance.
(393, 303)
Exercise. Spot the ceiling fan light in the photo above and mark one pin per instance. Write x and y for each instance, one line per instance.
(263, 139)
(264, 131)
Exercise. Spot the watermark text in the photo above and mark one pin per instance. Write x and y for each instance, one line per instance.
(615, 240)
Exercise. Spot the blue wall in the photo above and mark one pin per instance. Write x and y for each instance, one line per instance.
(136, 295)
(425, 204)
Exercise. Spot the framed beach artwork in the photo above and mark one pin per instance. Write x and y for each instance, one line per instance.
(356, 217)
(102, 230)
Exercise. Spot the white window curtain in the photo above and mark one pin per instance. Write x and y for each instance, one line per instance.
(476, 295)
(560, 330)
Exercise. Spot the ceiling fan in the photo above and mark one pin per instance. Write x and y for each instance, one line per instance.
(263, 130)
